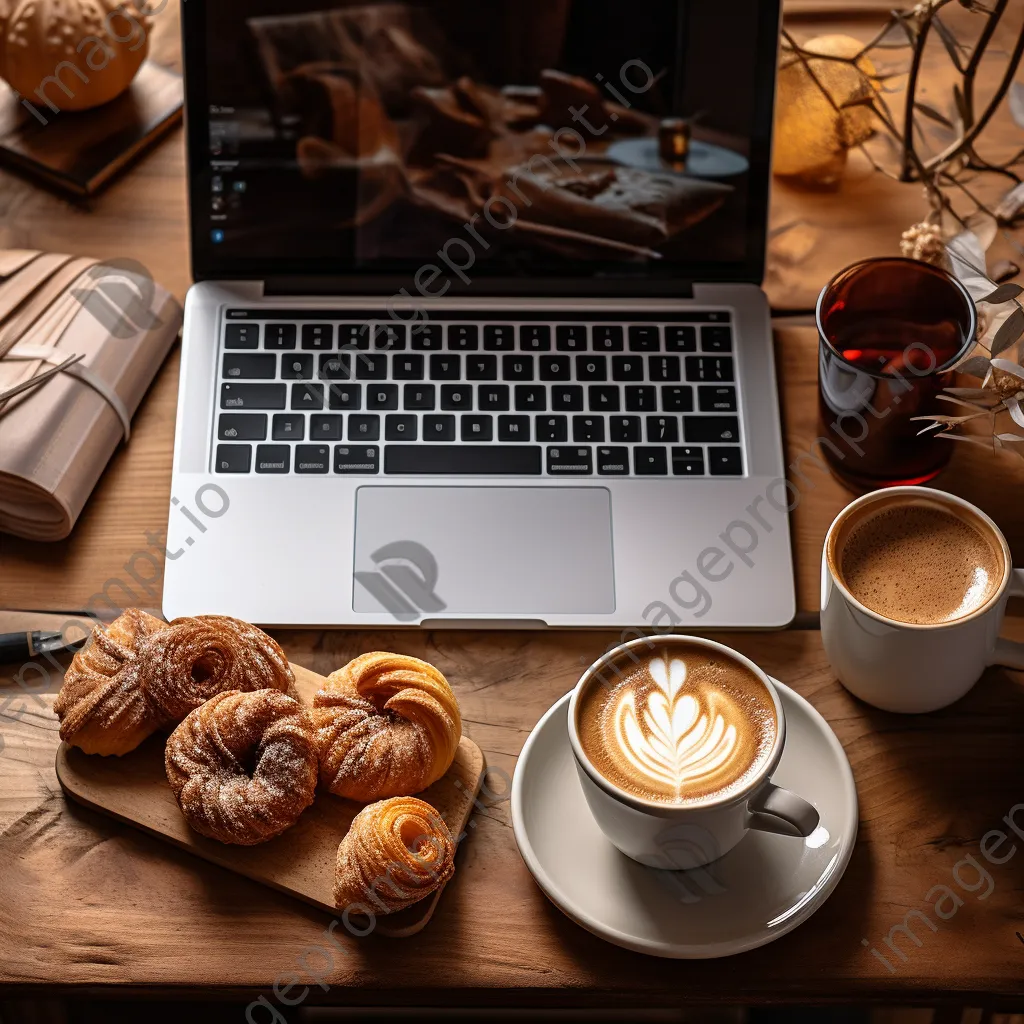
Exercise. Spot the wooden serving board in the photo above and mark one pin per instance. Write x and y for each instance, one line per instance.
(301, 862)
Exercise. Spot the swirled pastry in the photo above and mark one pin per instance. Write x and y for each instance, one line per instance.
(141, 674)
(387, 725)
(243, 766)
(396, 852)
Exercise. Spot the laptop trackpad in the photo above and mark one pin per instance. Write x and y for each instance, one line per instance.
(465, 551)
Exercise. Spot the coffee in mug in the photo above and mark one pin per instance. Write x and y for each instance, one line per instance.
(920, 561)
(683, 725)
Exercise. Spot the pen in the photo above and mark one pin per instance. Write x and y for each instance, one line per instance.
(19, 646)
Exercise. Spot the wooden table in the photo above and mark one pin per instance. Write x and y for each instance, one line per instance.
(86, 904)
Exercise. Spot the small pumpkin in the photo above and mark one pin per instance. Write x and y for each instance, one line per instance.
(72, 54)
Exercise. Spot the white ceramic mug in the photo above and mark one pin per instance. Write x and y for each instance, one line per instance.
(908, 667)
(669, 836)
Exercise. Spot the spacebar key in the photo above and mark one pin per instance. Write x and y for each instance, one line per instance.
(476, 459)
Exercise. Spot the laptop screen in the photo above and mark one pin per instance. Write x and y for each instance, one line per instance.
(455, 140)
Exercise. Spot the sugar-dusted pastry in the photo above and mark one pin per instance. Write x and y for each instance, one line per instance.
(396, 852)
(243, 766)
(141, 674)
(387, 725)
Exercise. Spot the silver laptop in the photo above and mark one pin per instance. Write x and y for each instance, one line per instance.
(477, 335)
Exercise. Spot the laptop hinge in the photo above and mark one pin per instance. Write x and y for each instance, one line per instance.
(401, 288)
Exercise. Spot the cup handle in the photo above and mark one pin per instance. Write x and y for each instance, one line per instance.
(778, 810)
(1007, 653)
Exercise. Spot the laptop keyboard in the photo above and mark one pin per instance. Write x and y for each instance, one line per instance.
(324, 393)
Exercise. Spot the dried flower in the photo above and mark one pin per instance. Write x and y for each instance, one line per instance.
(924, 242)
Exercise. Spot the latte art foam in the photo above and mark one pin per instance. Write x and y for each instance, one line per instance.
(684, 726)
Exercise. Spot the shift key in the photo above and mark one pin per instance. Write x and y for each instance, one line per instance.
(253, 396)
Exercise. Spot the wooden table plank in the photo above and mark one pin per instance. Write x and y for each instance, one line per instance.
(86, 902)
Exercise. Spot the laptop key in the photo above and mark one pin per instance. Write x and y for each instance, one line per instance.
(325, 428)
(242, 336)
(357, 459)
(567, 399)
(493, 398)
(317, 337)
(307, 396)
(613, 461)
(438, 428)
(477, 428)
(570, 461)
(345, 396)
(470, 459)
(641, 399)
(716, 338)
(499, 338)
(714, 399)
(312, 458)
(662, 429)
(587, 428)
(482, 367)
(382, 396)
(280, 336)
(535, 338)
(531, 398)
(407, 367)
(555, 368)
(253, 396)
(688, 461)
(354, 336)
(273, 458)
(390, 337)
(651, 461)
(371, 367)
(603, 397)
(289, 426)
(681, 339)
(625, 429)
(665, 368)
(571, 338)
(247, 367)
(235, 427)
(517, 367)
(677, 399)
(645, 339)
(335, 367)
(233, 458)
(725, 461)
(608, 338)
(709, 369)
(553, 428)
(364, 427)
(457, 396)
(400, 428)
(627, 368)
(427, 337)
(514, 428)
(419, 396)
(463, 337)
(297, 367)
(711, 429)
(592, 368)
(446, 367)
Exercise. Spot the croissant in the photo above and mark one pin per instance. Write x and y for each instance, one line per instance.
(243, 766)
(395, 852)
(141, 674)
(387, 725)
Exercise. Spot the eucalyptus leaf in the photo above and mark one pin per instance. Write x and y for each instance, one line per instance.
(1016, 412)
(1011, 438)
(1008, 366)
(949, 41)
(933, 114)
(968, 261)
(1003, 293)
(1011, 330)
(1017, 103)
(976, 366)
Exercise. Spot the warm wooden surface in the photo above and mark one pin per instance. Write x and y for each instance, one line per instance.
(300, 863)
(85, 901)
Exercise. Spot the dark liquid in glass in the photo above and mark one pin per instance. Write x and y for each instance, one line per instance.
(890, 332)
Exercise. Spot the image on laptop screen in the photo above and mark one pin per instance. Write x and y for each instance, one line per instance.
(519, 138)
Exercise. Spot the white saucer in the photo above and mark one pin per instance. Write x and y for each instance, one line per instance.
(759, 891)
